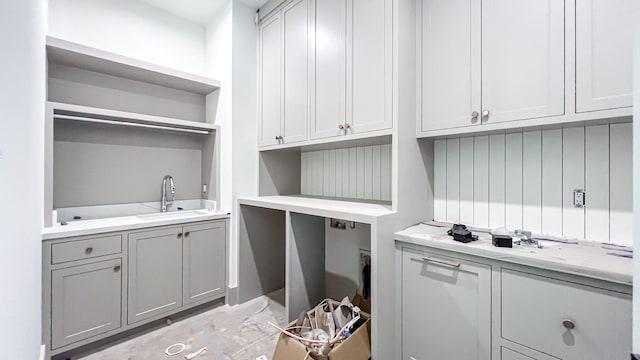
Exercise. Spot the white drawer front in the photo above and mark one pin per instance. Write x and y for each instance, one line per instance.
(85, 249)
(535, 307)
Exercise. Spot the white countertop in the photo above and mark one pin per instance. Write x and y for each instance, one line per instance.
(97, 226)
(586, 258)
(344, 210)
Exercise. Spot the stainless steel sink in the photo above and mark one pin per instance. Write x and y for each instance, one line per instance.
(173, 214)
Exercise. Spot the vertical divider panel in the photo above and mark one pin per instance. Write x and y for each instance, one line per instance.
(376, 173)
(481, 181)
(621, 184)
(572, 178)
(466, 180)
(368, 173)
(513, 178)
(552, 181)
(597, 183)
(532, 181)
(440, 180)
(453, 180)
(496, 180)
(385, 172)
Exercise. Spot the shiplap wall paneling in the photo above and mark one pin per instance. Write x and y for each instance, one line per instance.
(466, 180)
(621, 184)
(572, 179)
(362, 172)
(385, 172)
(513, 181)
(480, 181)
(532, 181)
(453, 180)
(440, 180)
(552, 182)
(497, 183)
(597, 182)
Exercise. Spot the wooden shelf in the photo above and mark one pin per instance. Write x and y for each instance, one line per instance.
(128, 118)
(84, 57)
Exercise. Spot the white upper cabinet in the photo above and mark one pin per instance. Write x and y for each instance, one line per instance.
(449, 76)
(329, 49)
(284, 75)
(270, 81)
(295, 21)
(352, 67)
(489, 61)
(522, 59)
(369, 55)
(604, 54)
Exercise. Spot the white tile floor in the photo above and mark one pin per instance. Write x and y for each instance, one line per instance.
(230, 333)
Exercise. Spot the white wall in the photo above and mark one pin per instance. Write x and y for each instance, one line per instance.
(130, 28)
(525, 180)
(22, 95)
(636, 177)
(342, 258)
(245, 135)
(217, 48)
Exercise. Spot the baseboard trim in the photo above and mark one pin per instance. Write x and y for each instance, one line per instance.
(233, 295)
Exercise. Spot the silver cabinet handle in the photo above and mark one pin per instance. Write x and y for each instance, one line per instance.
(441, 261)
(116, 268)
(568, 324)
(347, 126)
(88, 250)
(474, 114)
(485, 113)
(340, 127)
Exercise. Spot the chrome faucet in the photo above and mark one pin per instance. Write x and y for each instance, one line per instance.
(168, 180)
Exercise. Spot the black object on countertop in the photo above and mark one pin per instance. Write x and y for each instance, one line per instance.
(461, 233)
(502, 241)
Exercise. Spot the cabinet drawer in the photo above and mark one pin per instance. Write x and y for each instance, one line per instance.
(565, 319)
(85, 249)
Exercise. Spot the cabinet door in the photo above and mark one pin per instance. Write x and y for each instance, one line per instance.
(295, 20)
(604, 54)
(155, 273)
(204, 262)
(522, 59)
(85, 301)
(369, 65)
(449, 70)
(446, 308)
(329, 37)
(270, 81)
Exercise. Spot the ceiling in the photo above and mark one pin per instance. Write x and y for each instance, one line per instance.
(197, 11)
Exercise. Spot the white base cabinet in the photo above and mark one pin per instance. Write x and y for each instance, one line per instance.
(446, 307)
(457, 306)
(98, 286)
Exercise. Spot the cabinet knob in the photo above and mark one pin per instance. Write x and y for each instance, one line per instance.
(116, 268)
(179, 235)
(186, 234)
(341, 127)
(277, 137)
(347, 126)
(88, 250)
(485, 113)
(568, 324)
(474, 116)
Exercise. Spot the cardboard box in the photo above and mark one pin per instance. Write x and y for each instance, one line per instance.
(356, 347)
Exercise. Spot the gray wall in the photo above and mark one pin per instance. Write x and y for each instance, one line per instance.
(22, 97)
(102, 164)
(636, 176)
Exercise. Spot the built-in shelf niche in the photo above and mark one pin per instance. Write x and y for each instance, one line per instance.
(355, 170)
(115, 126)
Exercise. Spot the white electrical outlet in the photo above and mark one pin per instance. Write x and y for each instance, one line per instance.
(579, 198)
